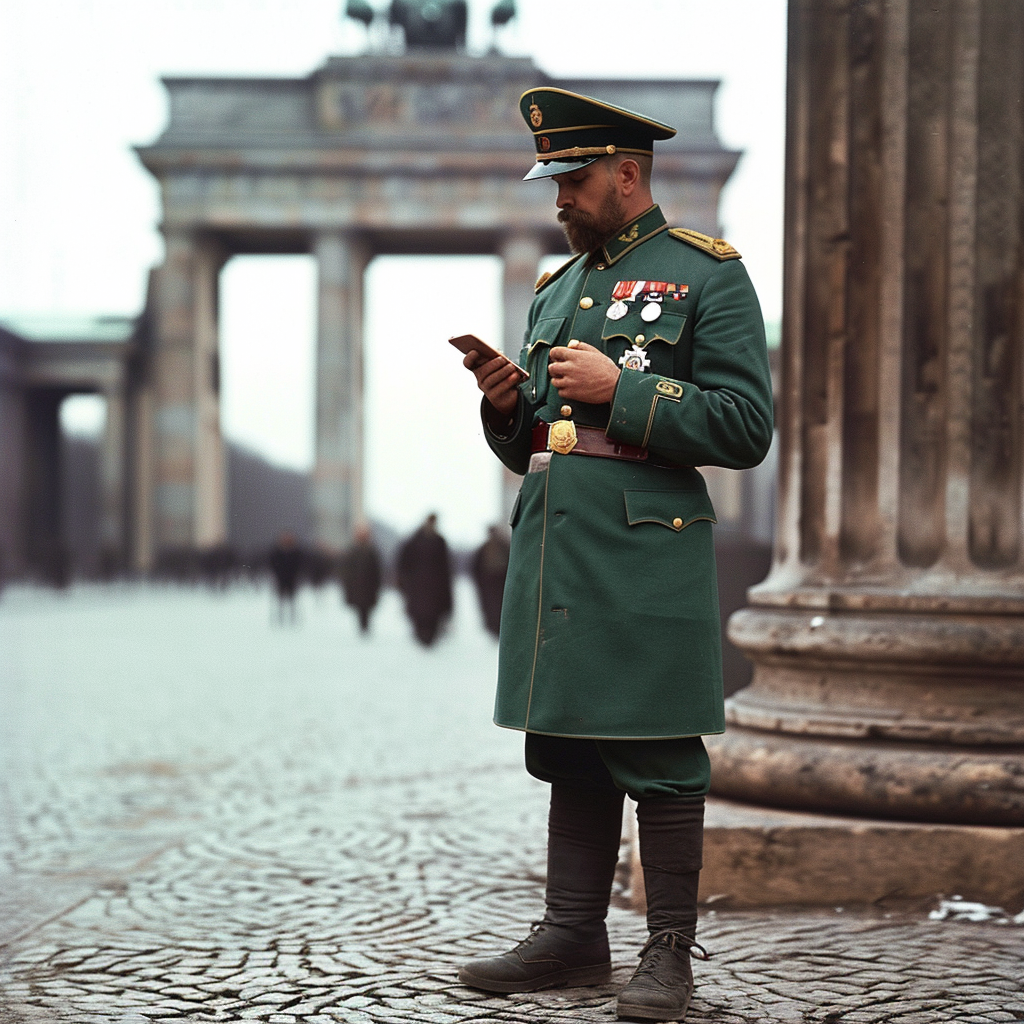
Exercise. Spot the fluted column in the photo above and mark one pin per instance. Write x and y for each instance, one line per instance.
(338, 470)
(112, 479)
(520, 255)
(190, 509)
(211, 504)
(888, 640)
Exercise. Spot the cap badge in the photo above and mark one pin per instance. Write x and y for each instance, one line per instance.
(635, 358)
(545, 143)
(536, 117)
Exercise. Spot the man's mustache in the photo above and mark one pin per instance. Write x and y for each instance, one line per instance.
(574, 215)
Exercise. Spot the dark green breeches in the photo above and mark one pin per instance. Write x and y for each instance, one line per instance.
(641, 768)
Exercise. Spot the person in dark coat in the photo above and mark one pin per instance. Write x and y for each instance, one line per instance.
(361, 575)
(318, 566)
(489, 567)
(285, 563)
(425, 581)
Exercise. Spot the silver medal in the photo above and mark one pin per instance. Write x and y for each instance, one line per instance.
(617, 310)
(650, 312)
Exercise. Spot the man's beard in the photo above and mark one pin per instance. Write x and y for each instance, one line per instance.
(586, 232)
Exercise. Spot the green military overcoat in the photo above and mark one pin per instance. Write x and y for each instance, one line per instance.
(610, 622)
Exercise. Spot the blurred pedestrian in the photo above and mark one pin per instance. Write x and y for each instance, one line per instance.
(361, 575)
(216, 564)
(285, 563)
(489, 567)
(318, 566)
(425, 581)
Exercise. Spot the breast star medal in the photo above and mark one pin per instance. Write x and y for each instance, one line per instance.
(635, 358)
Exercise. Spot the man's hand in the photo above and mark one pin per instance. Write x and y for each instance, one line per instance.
(582, 373)
(497, 379)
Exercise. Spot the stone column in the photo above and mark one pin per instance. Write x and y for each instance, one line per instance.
(142, 476)
(888, 640)
(337, 494)
(44, 467)
(190, 507)
(211, 501)
(521, 255)
(13, 429)
(112, 480)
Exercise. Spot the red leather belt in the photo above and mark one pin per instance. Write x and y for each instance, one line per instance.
(588, 441)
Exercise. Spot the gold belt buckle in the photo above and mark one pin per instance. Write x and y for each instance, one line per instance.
(562, 436)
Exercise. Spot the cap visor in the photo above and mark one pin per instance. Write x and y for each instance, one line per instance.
(549, 168)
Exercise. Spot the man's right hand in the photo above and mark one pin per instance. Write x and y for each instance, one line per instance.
(497, 379)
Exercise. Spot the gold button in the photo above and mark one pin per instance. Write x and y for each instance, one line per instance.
(586, 302)
(566, 411)
(600, 266)
(640, 339)
(677, 523)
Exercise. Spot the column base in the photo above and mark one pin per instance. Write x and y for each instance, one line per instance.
(907, 781)
(899, 715)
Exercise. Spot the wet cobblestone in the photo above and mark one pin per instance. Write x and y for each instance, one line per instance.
(207, 817)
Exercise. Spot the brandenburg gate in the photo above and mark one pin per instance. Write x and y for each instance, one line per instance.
(412, 153)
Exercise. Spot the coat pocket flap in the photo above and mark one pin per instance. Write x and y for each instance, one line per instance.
(674, 509)
(545, 332)
(668, 328)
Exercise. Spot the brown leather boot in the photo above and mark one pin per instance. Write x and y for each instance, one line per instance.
(546, 958)
(671, 833)
(570, 946)
(662, 985)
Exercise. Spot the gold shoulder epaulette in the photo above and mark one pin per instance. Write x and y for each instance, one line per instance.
(546, 278)
(717, 247)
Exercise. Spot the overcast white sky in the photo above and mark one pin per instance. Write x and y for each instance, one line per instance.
(79, 85)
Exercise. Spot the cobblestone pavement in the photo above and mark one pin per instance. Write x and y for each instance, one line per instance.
(210, 817)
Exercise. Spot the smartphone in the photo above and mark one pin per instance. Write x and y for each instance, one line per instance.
(467, 343)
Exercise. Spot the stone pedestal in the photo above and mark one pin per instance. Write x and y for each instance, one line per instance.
(888, 640)
(761, 857)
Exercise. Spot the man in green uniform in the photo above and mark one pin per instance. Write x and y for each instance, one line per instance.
(647, 359)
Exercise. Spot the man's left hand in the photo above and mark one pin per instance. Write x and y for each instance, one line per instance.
(582, 373)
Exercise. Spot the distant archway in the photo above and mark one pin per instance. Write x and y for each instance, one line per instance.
(367, 156)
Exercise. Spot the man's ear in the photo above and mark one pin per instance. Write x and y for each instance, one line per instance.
(628, 175)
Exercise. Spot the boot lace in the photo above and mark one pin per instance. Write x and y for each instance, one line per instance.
(535, 929)
(664, 941)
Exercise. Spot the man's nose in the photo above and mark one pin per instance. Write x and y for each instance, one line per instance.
(563, 199)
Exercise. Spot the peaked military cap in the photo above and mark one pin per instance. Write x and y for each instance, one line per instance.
(571, 131)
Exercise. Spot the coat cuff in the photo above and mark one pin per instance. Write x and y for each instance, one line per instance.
(496, 427)
(635, 402)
